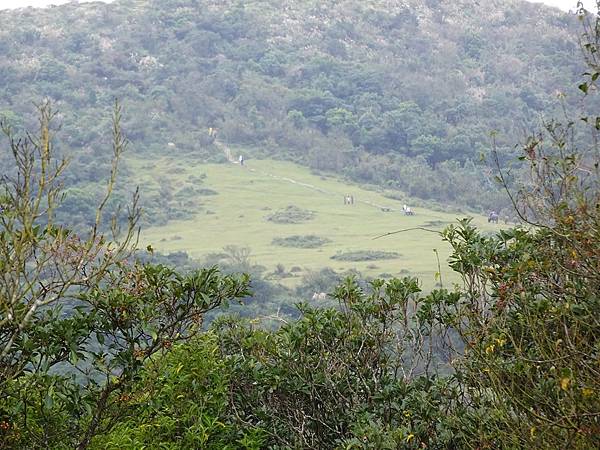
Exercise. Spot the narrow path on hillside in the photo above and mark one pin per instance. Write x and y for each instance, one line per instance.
(229, 155)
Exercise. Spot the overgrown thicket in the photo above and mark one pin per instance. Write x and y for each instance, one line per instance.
(79, 319)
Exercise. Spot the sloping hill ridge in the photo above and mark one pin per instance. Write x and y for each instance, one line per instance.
(398, 93)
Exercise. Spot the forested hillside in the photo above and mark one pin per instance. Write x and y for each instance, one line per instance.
(398, 93)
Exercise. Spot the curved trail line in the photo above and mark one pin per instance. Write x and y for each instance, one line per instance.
(227, 152)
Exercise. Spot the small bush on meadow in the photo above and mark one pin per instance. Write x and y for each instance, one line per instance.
(299, 241)
(365, 255)
(291, 214)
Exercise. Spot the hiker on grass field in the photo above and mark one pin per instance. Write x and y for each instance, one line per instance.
(241, 160)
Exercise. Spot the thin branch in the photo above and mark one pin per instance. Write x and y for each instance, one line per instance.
(407, 229)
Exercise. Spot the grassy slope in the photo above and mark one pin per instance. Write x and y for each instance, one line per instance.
(247, 194)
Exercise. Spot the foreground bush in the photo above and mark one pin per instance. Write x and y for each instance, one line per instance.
(79, 320)
(347, 376)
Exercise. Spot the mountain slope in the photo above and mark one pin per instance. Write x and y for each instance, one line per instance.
(366, 88)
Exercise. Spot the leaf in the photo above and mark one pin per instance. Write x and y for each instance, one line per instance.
(587, 392)
(583, 87)
(87, 407)
(48, 402)
(73, 358)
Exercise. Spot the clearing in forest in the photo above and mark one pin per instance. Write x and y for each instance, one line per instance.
(287, 215)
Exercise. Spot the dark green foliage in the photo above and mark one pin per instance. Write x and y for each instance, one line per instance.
(311, 384)
(306, 241)
(329, 379)
(100, 348)
(78, 320)
(365, 255)
(182, 401)
(531, 333)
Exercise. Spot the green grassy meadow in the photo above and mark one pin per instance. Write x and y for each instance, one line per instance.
(247, 195)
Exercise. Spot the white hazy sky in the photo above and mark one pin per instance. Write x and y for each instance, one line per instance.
(566, 5)
(9, 4)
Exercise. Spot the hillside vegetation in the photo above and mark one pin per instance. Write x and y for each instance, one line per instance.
(105, 345)
(398, 93)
